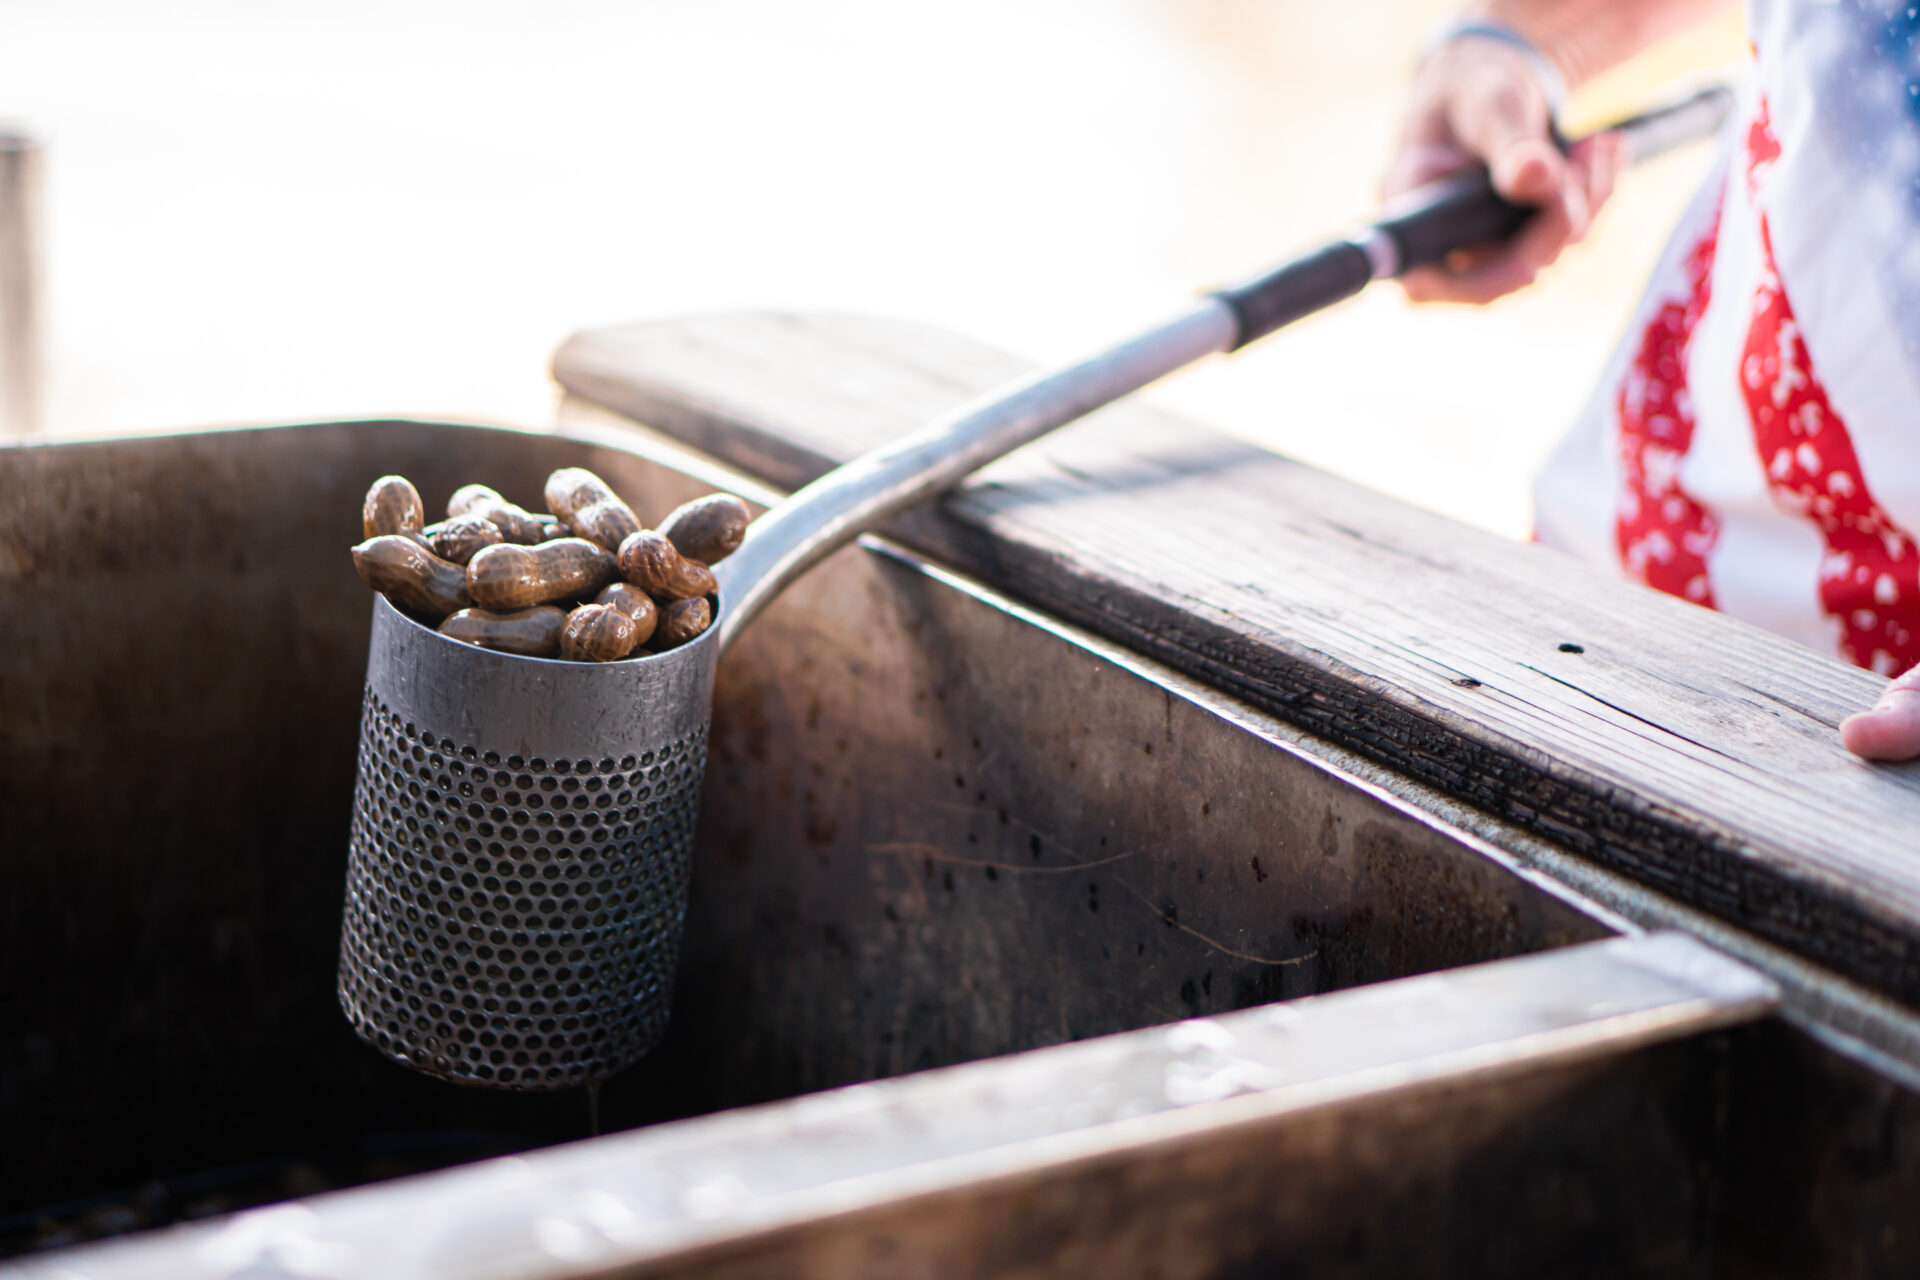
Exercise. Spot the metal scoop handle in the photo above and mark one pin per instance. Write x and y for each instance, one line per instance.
(873, 488)
(869, 491)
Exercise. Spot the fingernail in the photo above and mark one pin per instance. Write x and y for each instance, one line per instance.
(1528, 173)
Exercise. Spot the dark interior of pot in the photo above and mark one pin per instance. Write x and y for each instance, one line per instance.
(185, 646)
(182, 647)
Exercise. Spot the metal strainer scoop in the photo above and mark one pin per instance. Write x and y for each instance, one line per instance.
(523, 827)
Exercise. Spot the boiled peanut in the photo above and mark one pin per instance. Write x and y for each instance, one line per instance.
(551, 529)
(635, 603)
(516, 523)
(650, 562)
(707, 529)
(532, 633)
(459, 538)
(607, 523)
(598, 633)
(680, 622)
(570, 488)
(392, 506)
(505, 576)
(586, 505)
(411, 576)
(468, 496)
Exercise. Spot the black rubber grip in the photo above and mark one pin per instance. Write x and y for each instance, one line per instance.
(1454, 213)
(1299, 288)
(1450, 214)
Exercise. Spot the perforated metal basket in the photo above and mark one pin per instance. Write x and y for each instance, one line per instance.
(523, 827)
(517, 876)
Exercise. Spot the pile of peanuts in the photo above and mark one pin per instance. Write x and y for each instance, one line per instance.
(585, 583)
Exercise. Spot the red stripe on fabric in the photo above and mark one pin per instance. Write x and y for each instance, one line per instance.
(1870, 574)
(1763, 148)
(1662, 532)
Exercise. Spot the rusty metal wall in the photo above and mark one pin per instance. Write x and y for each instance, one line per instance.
(934, 831)
(184, 641)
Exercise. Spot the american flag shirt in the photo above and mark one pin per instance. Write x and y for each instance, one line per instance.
(1756, 444)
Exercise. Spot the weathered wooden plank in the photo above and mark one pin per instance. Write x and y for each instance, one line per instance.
(1693, 752)
(20, 282)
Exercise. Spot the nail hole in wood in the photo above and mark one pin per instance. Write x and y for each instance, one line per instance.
(1572, 648)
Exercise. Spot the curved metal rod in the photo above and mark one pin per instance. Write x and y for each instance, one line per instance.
(875, 487)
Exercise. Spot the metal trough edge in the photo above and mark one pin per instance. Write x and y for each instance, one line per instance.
(653, 1196)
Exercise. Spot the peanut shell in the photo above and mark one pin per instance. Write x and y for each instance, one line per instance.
(460, 538)
(506, 576)
(707, 529)
(635, 603)
(515, 523)
(650, 562)
(598, 633)
(680, 622)
(411, 576)
(392, 505)
(532, 633)
(586, 504)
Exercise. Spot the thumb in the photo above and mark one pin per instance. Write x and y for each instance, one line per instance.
(1891, 730)
(1507, 127)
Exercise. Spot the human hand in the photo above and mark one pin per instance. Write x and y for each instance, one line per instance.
(1891, 730)
(1479, 101)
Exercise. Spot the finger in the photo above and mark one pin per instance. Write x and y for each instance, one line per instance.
(1485, 274)
(1497, 279)
(1602, 156)
(1506, 124)
(1433, 284)
(1891, 730)
(1490, 276)
(1481, 273)
(1591, 169)
(1420, 164)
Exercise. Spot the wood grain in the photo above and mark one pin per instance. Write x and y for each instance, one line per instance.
(1692, 752)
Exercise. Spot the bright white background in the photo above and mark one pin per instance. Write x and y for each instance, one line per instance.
(267, 211)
